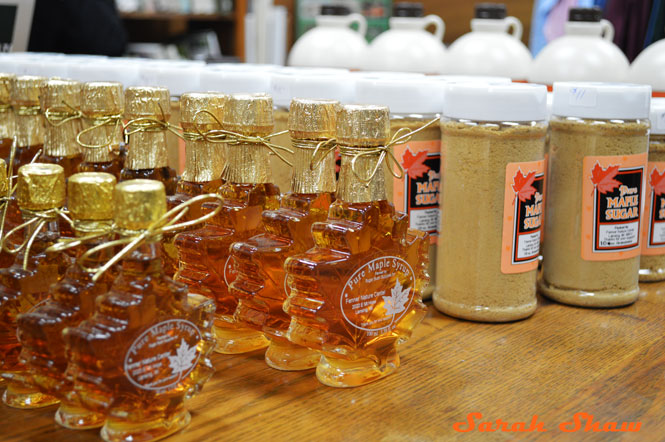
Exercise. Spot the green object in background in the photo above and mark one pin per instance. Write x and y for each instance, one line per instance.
(377, 13)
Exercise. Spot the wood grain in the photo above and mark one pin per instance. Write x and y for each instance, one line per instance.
(563, 360)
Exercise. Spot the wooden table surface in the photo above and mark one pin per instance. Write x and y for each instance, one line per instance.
(562, 361)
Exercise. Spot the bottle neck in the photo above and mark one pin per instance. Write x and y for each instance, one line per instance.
(204, 161)
(60, 140)
(353, 190)
(307, 179)
(247, 163)
(86, 227)
(408, 23)
(332, 21)
(591, 29)
(146, 259)
(496, 25)
(7, 123)
(29, 130)
(108, 136)
(147, 150)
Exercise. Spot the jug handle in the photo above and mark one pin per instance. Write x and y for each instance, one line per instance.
(439, 25)
(608, 29)
(516, 24)
(361, 20)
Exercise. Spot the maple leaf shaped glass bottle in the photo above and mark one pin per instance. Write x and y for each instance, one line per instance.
(145, 348)
(205, 262)
(7, 120)
(60, 100)
(357, 294)
(260, 283)
(25, 91)
(148, 110)
(40, 190)
(71, 300)
(102, 104)
(12, 213)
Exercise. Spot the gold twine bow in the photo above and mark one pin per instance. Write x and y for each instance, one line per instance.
(133, 239)
(4, 106)
(25, 111)
(39, 217)
(96, 123)
(233, 138)
(4, 201)
(150, 124)
(385, 152)
(59, 117)
(103, 228)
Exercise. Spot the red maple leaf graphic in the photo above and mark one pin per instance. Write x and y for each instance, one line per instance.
(658, 182)
(414, 165)
(522, 185)
(603, 179)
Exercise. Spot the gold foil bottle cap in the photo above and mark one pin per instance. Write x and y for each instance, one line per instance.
(55, 93)
(102, 98)
(25, 90)
(138, 203)
(249, 114)
(4, 181)
(313, 119)
(6, 81)
(40, 186)
(90, 196)
(361, 125)
(191, 105)
(147, 102)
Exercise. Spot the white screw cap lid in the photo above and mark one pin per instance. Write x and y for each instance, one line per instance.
(495, 102)
(404, 94)
(600, 100)
(234, 81)
(315, 84)
(657, 116)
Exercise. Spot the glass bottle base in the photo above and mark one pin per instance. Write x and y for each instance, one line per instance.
(342, 373)
(649, 275)
(77, 418)
(122, 431)
(286, 356)
(19, 396)
(484, 314)
(233, 341)
(581, 298)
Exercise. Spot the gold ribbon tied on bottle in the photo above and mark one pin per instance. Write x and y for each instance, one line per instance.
(59, 117)
(150, 124)
(5, 199)
(384, 153)
(27, 111)
(233, 138)
(4, 106)
(40, 218)
(114, 120)
(167, 223)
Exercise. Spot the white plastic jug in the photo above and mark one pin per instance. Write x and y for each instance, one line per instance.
(490, 48)
(407, 46)
(332, 43)
(648, 68)
(584, 53)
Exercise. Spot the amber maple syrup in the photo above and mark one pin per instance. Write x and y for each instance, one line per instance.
(145, 349)
(357, 294)
(148, 111)
(260, 283)
(102, 104)
(205, 263)
(29, 119)
(40, 191)
(71, 300)
(8, 208)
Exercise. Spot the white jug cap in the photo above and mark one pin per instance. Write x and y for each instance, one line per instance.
(404, 94)
(284, 87)
(657, 116)
(234, 81)
(495, 102)
(600, 100)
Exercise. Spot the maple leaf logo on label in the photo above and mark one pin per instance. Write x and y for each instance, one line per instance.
(658, 182)
(603, 179)
(396, 302)
(414, 165)
(183, 359)
(522, 185)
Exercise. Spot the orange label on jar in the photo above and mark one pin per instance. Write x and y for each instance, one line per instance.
(417, 193)
(612, 204)
(653, 231)
(522, 216)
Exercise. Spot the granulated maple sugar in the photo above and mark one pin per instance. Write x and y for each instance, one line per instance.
(417, 193)
(491, 173)
(594, 197)
(652, 261)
